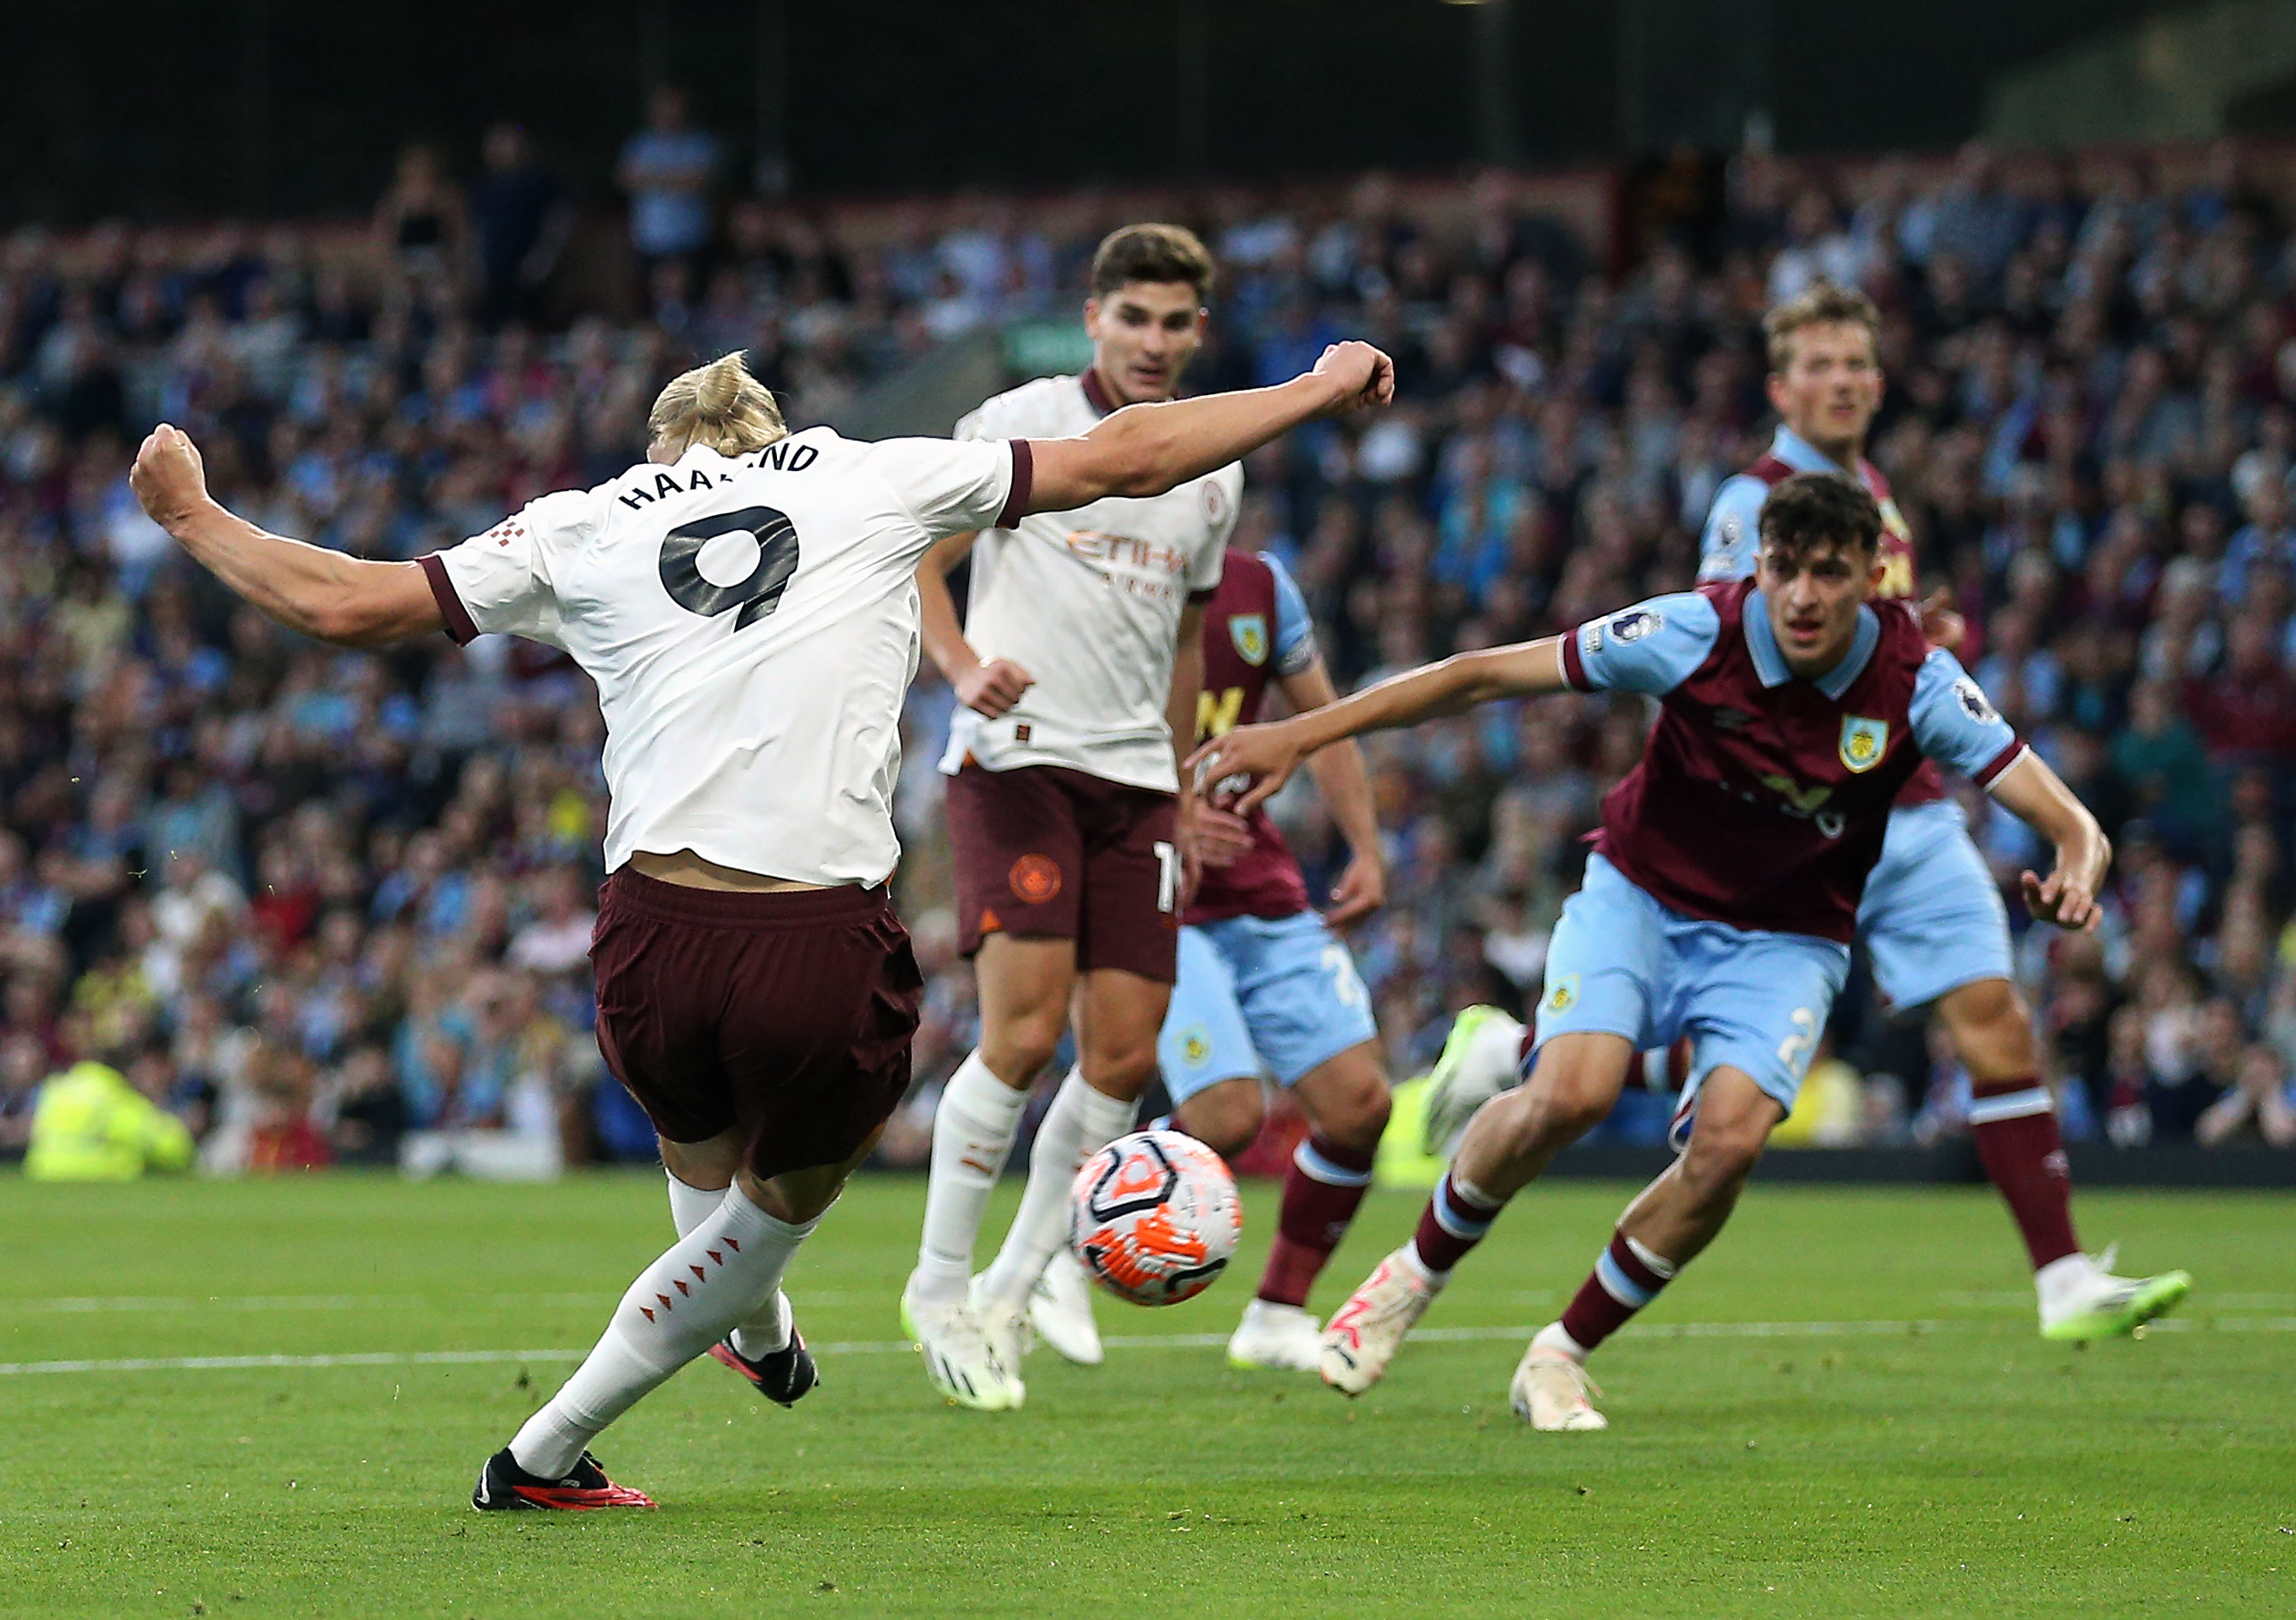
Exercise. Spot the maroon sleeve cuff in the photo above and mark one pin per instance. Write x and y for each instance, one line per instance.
(1023, 475)
(2000, 762)
(459, 626)
(1575, 666)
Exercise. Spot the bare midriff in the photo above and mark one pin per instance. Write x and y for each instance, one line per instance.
(690, 871)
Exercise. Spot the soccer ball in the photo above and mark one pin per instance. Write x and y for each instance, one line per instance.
(1154, 1217)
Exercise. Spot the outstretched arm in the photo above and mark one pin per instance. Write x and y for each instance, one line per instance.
(1145, 450)
(309, 588)
(1270, 753)
(2038, 797)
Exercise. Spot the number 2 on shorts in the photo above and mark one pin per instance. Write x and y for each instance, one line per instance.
(1795, 1049)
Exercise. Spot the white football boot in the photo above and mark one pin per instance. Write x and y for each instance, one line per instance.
(1480, 1058)
(958, 1356)
(1061, 1310)
(1005, 1326)
(1275, 1338)
(1552, 1391)
(1365, 1334)
(2081, 1299)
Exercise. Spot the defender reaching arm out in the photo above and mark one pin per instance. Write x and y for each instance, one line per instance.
(1270, 753)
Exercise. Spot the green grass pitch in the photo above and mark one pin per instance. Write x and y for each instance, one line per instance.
(1842, 1410)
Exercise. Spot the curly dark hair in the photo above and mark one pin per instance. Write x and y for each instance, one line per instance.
(1814, 509)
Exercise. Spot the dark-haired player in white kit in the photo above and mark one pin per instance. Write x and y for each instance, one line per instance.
(1078, 667)
(745, 601)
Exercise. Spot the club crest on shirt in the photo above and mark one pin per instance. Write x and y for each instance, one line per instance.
(1974, 702)
(1564, 996)
(1863, 742)
(1249, 632)
(1195, 1046)
(1635, 623)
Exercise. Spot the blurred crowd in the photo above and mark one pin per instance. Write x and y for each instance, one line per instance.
(334, 908)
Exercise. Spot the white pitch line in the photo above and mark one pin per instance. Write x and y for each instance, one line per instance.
(1143, 1341)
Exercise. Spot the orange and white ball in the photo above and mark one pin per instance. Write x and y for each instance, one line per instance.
(1155, 1217)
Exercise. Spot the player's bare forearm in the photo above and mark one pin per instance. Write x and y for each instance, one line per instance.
(1530, 669)
(1270, 753)
(1338, 770)
(942, 634)
(991, 686)
(1145, 450)
(309, 589)
(2038, 797)
(1187, 683)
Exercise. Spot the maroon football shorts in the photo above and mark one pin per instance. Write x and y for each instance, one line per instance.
(1046, 853)
(786, 1016)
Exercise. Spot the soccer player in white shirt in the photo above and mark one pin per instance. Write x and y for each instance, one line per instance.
(745, 601)
(1077, 669)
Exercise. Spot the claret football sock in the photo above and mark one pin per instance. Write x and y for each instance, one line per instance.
(971, 1137)
(1080, 1121)
(1627, 1277)
(1323, 1190)
(1456, 1219)
(701, 1288)
(2014, 1123)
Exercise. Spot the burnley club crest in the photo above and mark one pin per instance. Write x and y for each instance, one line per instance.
(1249, 631)
(1863, 742)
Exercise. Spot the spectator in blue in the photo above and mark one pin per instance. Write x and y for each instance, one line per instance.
(666, 168)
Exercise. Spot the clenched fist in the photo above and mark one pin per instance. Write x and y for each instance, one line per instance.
(169, 478)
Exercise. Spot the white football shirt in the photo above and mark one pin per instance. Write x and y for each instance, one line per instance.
(1088, 602)
(752, 626)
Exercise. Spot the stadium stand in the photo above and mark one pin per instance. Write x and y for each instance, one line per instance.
(332, 908)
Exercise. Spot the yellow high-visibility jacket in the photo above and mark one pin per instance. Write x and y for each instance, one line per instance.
(90, 1125)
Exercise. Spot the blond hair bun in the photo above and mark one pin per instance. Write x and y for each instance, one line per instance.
(718, 406)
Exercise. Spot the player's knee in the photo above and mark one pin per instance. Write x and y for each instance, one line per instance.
(1538, 1118)
(1719, 1160)
(1224, 1117)
(1019, 1047)
(1360, 1119)
(1569, 1099)
(1991, 1030)
(1121, 1071)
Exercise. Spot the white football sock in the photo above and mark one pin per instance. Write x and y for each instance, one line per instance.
(767, 1330)
(700, 1288)
(971, 1137)
(689, 1206)
(1552, 1338)
(1080, 1121)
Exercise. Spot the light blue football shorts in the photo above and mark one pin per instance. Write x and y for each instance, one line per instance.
(1259, 995)
(1932, 918)
(1622, 964)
